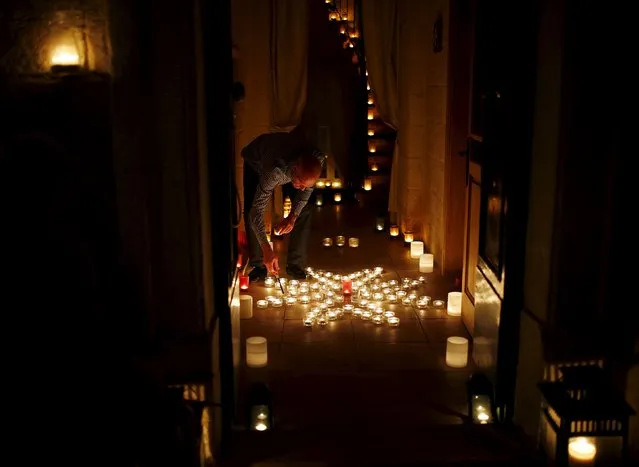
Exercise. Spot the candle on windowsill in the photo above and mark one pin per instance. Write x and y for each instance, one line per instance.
(347, 286)
(394, 231)
(244, 282)
(416, 249)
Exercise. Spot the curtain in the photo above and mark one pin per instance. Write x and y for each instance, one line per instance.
(380, 30)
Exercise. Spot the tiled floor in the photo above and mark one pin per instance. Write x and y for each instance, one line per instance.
(353, 375)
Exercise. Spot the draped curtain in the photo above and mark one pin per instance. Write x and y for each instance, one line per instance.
(380, 31)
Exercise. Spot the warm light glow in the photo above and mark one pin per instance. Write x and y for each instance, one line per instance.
(337, 197)
(366, 72)
(408, 237)
(370, 101)
(342, 29)
(368, 86)
(353, 242)
(65, 55)
(394, 231)
(368, 184)
(371, 133)
(374, 167)
(372, 149)
(244, 282)
(256, 352)
(337, 183)
(582, 449)
(457, 352)
(416, 249)
(328, 241)
(246, 306)
(347, 286)
(454, 304)
(318, 200)
(379, 224)
(333, 16)
(371, 116)
(327, 183)
(340, 240)
(426, 262)
(287, 207)
(320, 184)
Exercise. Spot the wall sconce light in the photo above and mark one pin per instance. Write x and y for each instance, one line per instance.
(571, 432)
(368, 184)
(256, 352)
(416, 249)
(408, 237)
(457, 352)
(246, 306)
(480, 399)
(394, 231)
(454, 306)
(426, 262)
(260, 408)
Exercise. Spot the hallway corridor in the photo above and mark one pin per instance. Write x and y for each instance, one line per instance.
(357, 393)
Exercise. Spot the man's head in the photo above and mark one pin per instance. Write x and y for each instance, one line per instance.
(306, 170)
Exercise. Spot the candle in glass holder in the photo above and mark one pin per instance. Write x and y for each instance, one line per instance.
(393, 321)
(454, 304)
(582, 450)
(353, 242)
(368, 184)
(331, 315)
(406, 301)
(262, 303)
(426, 262)
(244, 282)
(321, 320)
(319, 200)
(456, 352)
(416, 249)
(256, 352)
(308, 320)
(347, 286)
(348, 308)
(379, 224)
(340, 240)
(438, 303)
(394, 231)
(305, 299)
(269, 282)
(277, 302)
(327, 241)
(337, 197)
(378, 319)
(357, 312)
(291, 300)
(408, 237)
(366, 315)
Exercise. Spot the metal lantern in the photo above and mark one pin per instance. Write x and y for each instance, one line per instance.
(260, 408)
(584, 421)
(480, 399)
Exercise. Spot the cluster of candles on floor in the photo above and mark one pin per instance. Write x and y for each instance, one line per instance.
(340, 241)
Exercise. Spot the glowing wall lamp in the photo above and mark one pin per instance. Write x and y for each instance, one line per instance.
(480, 399)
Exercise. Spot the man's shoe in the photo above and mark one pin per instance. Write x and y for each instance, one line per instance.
(295, 272)
(258, 273)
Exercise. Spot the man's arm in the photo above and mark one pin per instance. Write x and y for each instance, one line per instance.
(263, 193)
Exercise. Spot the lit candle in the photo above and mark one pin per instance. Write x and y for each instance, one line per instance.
(337, 197)
(357, 312)
(308, 320)
(321, 320)
(337, 183)
(331, 315)
(393, 321)
(371, 133)
(291, 300)
(374, 167)
(340, 240)
(244, 282)
(582, 450)
(348, 308)
(394, 231)
(405, 301)
(246, 306)
(256, 352)
(277, 302)
(371, 115)
(327, 241)
(318, 200)
(416, 249)
(368, 184)
(353, 242)
(408, 237)
(426, 262)
(262, 303)
(305, 299)
(454, 304)
(269, 282)
(438, 303)
(320, 184)
(379, 224)
(347, 286)
(456, 352)
(372, 149)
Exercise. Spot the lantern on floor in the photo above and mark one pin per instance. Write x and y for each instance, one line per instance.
(368, 184)
(246, 306)
(318, 199)
(287, 207)
(337, 197)
(260, 408)
(256, 352)
(453, 308)
(457, 352)
(584, 419)
(394, 231)
(408, 237)
(480, 399)
(371, 115)
(426, 262)
(416, 249)
(379, 224)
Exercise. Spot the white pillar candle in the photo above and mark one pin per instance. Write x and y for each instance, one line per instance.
(256, 352)
(416, 249)
(457, 352)
(426, 262)
(246, 306)
(454, 304)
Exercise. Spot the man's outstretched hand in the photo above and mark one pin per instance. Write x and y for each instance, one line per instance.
(286, 226)
(271, 261)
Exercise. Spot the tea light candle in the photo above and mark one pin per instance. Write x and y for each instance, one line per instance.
(256, 352)
(421, 304)
(426, 262)
(277, 302)
(393, 321)
(347, 286)
(408, 237)
(353, 242)
(394, 231)
(327, 241)
(348, 308)
(246, 306)
(421, 279)
(454, 304)
(378, 319)
(337, 197)
(269, 282)
(244, 282)
(416, 249)
(319, 200)
(366, 315)
(291, 300)
(321, 320)
(262, 303)
(456, 352)
(406, 301)
(389, 314)
(357, 312)
(368, 184)
(305, 299)
(340, 240)
(308, 320)
(438, 303)
(392, 298)
(582, 450)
